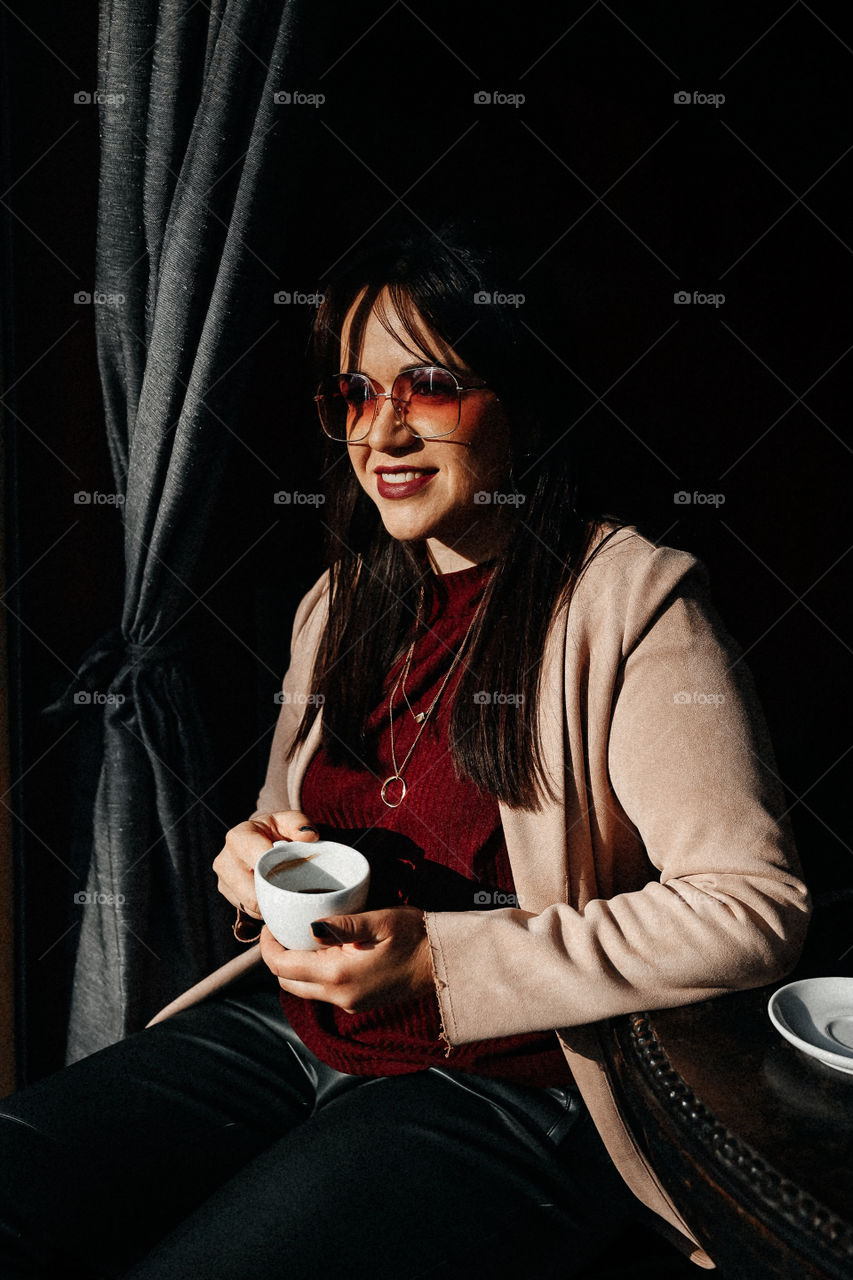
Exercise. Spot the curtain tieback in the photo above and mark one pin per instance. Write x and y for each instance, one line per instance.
(101, 665)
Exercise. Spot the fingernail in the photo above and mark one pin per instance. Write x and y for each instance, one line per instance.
(314, 829)
(321, 930)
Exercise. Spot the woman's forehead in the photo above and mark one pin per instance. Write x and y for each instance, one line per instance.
(384, 334)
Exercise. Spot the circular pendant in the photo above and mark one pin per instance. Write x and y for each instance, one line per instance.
(393, 804)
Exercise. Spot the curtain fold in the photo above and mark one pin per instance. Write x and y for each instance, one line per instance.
(191, 173)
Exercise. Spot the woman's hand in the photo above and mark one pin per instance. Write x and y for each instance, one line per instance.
(374, 958)
(244, 844)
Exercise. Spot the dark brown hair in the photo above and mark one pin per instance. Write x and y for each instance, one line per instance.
(437, 283)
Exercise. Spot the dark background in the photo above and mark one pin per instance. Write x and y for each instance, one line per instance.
(613, 197)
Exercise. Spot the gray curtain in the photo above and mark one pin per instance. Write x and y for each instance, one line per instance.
(191, 181)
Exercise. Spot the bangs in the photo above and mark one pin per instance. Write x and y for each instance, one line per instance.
(423, 292)
(428, 293)
(400, 316)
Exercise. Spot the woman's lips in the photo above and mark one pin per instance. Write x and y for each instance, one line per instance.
(402, 484)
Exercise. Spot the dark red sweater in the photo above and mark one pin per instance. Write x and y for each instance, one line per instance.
(441, 850)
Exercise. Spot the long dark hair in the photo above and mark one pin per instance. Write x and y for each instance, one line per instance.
(441, 280)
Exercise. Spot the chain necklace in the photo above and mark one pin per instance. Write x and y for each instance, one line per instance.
(423, 717)
(417, 716)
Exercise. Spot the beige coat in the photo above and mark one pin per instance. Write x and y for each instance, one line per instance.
(665, 874)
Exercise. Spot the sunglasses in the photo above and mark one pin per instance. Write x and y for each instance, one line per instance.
(427, 401)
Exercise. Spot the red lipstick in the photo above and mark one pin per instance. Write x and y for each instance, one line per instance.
(420, 478)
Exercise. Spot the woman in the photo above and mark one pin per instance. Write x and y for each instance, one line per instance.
(536, 728)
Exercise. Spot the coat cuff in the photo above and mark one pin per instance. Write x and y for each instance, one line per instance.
(455, 933)
(439, 973)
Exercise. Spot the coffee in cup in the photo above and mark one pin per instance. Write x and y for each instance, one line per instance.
(297, 881)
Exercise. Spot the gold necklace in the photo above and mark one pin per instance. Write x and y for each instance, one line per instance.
(417, 716)
(423, 717)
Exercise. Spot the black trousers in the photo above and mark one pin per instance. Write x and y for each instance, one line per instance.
(215, 1145)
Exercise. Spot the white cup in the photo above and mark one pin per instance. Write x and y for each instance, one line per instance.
(297, 881)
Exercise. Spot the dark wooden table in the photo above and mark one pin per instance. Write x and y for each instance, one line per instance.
(752, 1139)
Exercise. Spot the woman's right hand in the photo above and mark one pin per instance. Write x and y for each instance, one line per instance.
(244, 844)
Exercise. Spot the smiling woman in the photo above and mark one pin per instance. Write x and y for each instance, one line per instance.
(494, 478)
(487, 697)
(437, 438)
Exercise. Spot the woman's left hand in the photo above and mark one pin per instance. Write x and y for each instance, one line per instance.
(375, 958)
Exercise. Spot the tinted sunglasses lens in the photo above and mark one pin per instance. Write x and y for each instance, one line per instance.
(346, 406)
(428, 400)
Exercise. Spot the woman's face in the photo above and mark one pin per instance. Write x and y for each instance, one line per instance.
(440, 506)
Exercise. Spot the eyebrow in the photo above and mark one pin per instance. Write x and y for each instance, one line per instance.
(420, 364)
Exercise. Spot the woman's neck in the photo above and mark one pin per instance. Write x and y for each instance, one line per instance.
(470, 550)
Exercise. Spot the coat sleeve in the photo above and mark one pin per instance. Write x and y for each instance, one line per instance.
(308, 620)
(691, 769)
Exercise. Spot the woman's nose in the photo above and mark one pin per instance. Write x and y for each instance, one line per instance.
(387, 429)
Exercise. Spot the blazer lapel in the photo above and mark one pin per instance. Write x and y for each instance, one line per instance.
(301, 759)
(536, 842)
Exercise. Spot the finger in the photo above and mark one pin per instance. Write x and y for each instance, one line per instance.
(327, 934)
(307, 990)
(364, 927)
(271, 950)
(302, 968)
(241, 895)
(295, 825)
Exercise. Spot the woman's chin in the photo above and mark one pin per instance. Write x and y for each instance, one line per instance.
(403, 528)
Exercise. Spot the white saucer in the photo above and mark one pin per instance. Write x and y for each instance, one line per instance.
(816, 1015)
